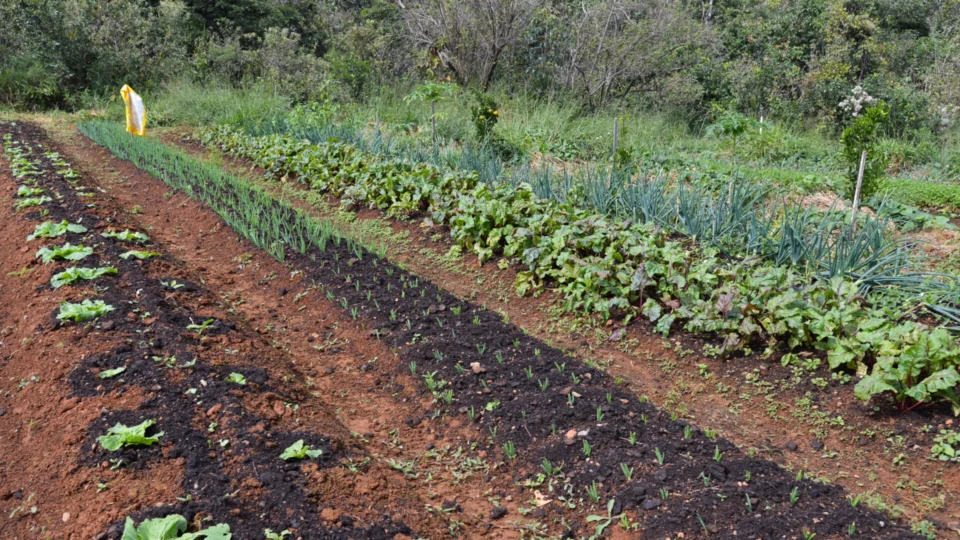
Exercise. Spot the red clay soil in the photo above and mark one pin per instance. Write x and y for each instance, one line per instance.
(218, 457)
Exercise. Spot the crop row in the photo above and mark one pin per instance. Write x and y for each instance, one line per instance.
(592, 440)
(628, 268)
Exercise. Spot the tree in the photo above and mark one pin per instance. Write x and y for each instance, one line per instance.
(618, 47)
(468, 38)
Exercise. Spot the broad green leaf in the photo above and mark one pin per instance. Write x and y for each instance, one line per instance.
(84, 311)
(66, 252)
(51, 229)
(298, 450)
(120, 435)
(111, 373)
(139, 254)
(71, 275)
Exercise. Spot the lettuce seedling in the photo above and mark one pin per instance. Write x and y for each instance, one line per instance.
(26, 191)
(127, 236)
(32, 201)
(139, 254)
(66, 252)
(84, 311)
(120, 435)
(111, 373)
(72, 275)
(236, 378)
(172, 527)
(50, 229)
(298, 450)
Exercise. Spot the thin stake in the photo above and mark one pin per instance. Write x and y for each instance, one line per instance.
(615, 134)
(856, 192)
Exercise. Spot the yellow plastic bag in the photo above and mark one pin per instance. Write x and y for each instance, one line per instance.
(136, 112)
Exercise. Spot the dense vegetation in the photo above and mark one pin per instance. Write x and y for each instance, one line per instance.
(789, 60)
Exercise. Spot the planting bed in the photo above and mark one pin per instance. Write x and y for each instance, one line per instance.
(217, 460)
(383, 371)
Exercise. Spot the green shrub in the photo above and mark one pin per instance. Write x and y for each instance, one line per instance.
(861, 137)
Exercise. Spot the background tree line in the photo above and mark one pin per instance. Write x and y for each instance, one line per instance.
(789, 59)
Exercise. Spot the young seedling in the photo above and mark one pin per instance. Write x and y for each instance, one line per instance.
(499, 356)
(593, 492)
(604, 521)
(687, 432)
(659, 455)
(141, 255)
(120, 435)
(587, 449)
(202, 327)
(72, 275)
(795, 495)
(413, 368)
(299, 450)
(528, 371)
(482, 348)
(543, 384)
(111, 373)
(84, 311)
(627, 471)
(717, 454)
(509, 450)
(632, 439)
(547, 467)
(236, 378)
(571, 399)
(599, 414)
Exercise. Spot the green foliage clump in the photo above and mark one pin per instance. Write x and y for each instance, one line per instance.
(924, 194)
(120, 435)
(66, 252)
(861, 137)
(172, 527)
(84, 311)
(946, 446)
(72, 275)
(127, 236)
(50, 229)
(299, 450)
(485, 115)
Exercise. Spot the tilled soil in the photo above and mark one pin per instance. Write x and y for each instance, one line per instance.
(494, 389)
(217, 460)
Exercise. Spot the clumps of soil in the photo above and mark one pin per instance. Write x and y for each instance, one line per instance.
(202, 415)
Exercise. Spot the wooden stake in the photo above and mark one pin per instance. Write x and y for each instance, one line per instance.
(856, 191)
(615, 134)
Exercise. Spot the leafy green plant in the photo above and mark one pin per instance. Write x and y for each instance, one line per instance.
(66, 252)
(861, 137)
(50, 229)
(127, 236)
(916, 368)
(111, 373)
(139, 254)
(74, 274)
(172, 527)
(26, 191)
(485, 115)
(946, 446)
(299, 450)
(84, 311)
(31, 201)
(120, 435)
(236, 378)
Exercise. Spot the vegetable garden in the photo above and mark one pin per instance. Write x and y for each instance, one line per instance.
(283, 377)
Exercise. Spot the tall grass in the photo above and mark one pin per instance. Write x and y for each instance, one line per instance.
(192, 104)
